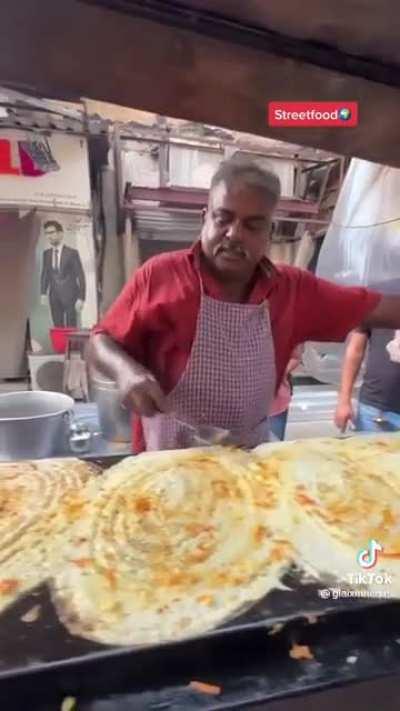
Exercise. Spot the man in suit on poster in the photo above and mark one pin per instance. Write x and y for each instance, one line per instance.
(62, 282)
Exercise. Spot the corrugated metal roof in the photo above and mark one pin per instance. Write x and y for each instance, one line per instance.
(24, 112)
(41, 121)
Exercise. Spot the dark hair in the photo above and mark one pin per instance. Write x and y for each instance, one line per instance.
(248, 172)
(53, 223)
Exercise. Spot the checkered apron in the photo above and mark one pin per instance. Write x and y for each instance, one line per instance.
(228, 382)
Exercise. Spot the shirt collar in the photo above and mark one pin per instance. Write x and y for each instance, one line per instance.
(265, 278)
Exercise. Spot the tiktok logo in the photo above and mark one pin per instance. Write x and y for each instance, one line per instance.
(367, 557)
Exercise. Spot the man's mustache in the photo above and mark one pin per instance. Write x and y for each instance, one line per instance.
(235, 249)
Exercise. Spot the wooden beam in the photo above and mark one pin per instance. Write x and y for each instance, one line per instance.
(69, 50)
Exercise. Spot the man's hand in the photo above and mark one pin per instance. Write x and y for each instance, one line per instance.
(79, 305)
(141, 392)
(44, 300)
(393, 348)
(343, 415)
(138, 388)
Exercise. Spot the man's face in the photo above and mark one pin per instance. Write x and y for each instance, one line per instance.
(54, 236)
(236, 229)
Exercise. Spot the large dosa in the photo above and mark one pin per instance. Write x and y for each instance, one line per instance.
(347, 492)
(38, 502)
(174, 544)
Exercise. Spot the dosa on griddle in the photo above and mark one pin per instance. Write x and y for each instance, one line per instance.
(39, 500)
(174, 544)
(347, 492)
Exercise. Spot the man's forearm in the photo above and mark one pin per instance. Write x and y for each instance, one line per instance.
(138, 389)
(110, 358)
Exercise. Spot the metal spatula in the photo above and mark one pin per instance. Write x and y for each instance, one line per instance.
(205, 435)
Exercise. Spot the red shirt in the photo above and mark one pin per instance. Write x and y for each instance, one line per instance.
(154, 318)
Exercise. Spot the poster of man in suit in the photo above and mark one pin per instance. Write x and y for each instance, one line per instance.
(65, 291)
(62, 281)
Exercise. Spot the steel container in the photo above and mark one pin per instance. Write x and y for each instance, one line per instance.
(114, 420)
(34, 424)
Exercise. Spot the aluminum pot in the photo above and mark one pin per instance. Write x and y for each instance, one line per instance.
(114, 421)
(34, 424)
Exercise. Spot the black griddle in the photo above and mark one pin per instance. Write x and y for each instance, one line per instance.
(45, 647)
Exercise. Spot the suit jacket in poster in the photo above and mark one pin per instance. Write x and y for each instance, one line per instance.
(69, 282)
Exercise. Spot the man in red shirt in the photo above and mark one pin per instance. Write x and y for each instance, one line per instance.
(203, 335)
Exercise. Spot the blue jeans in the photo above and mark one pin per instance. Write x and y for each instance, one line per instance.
(365, 421)
(278, 424)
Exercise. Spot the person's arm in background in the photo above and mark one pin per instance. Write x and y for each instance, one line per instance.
(295, 359)
(282, 398)
(294, 362)
(353, 358)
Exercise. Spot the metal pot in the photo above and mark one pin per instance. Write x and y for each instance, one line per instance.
(34, 424)
(115, 421)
